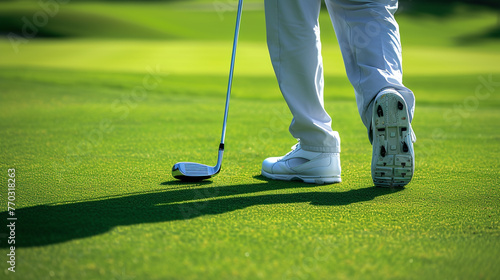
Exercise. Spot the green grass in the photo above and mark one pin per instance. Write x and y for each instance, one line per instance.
(93, 124)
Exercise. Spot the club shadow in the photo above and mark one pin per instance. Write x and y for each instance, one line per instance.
(56, 223)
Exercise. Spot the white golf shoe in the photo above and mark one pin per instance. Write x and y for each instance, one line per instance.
(310, 167)
(393, 159)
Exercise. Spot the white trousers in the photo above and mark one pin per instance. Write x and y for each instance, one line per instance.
(368, 36)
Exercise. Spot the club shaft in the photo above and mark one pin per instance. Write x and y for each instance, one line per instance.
(229, 86)
(179, 169)
(231, 70)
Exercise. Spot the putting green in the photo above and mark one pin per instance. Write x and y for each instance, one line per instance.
(93, 124)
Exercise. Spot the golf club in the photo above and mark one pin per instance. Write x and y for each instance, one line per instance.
(192, 171)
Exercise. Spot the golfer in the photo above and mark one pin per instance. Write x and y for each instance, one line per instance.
(369, 40)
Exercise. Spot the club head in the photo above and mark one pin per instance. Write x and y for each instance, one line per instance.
(191, 171)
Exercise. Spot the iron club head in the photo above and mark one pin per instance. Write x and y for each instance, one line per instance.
(191, 171)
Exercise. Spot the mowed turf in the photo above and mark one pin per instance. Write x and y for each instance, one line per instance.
(93, 126)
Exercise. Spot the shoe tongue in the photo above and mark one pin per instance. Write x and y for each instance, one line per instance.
(293, 149)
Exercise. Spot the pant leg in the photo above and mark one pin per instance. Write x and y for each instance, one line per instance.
(294, 44)
(369, 40)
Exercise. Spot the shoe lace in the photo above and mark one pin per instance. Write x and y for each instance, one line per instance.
(294, 148)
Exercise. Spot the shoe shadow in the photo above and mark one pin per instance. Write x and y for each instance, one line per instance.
(56, 223)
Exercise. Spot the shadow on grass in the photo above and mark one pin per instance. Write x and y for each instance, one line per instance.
(51, 224)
